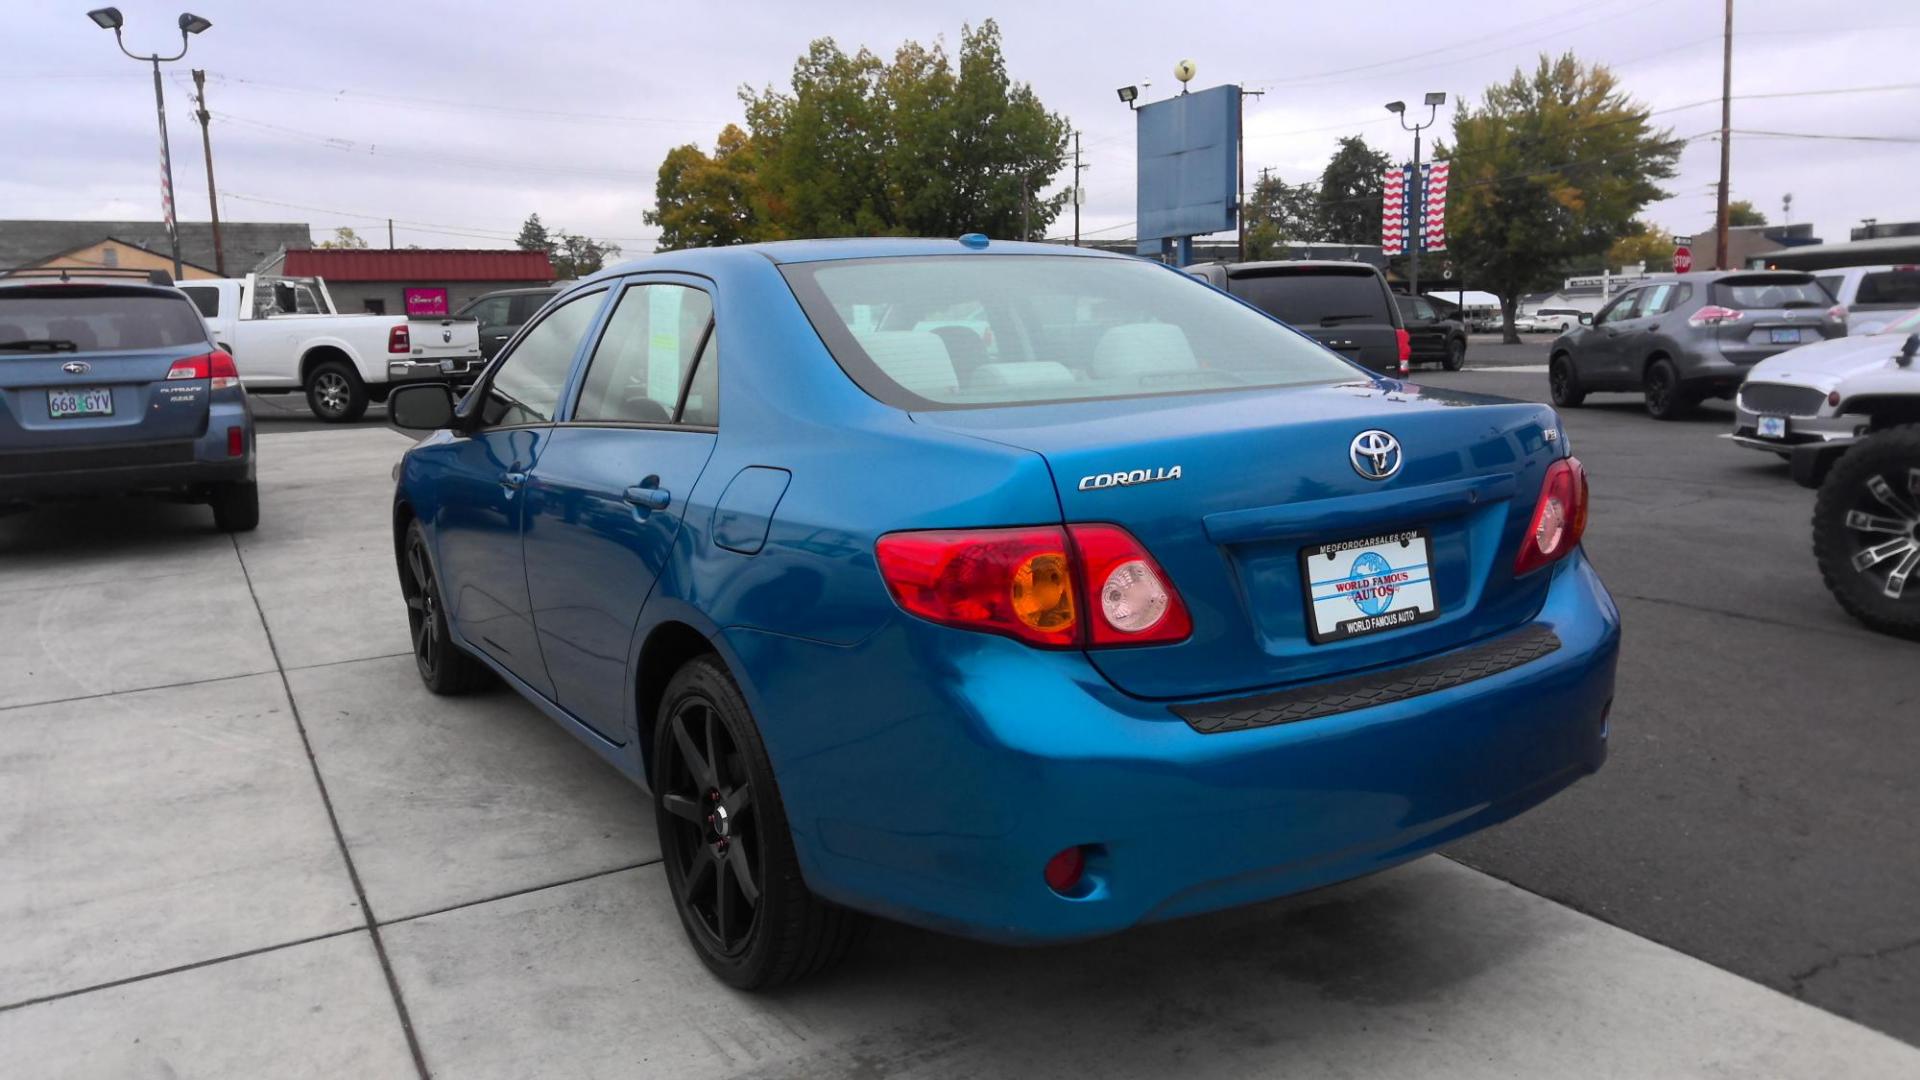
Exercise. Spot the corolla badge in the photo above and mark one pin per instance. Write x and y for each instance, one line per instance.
(76, 367)
(1375, 454)
(1129, 478)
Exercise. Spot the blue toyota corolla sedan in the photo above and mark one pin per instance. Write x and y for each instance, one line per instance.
(1020, 592)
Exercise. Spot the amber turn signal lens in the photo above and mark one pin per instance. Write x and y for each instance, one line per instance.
(1042, 592)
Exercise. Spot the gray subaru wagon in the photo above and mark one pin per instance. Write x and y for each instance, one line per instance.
(1687, 337)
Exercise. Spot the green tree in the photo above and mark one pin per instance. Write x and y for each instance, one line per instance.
(1548, 171)
(1645, 243)
(1278, 212)
(577, 256)
(1741, 212)
(1350, 191)
(533, 236)
(920, 145)
(344, 237)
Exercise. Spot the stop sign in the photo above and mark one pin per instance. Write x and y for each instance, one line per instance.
(1682, 260)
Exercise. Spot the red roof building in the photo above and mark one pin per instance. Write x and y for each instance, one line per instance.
(414, 281)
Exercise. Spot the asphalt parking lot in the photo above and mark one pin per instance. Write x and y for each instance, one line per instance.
(240, 839)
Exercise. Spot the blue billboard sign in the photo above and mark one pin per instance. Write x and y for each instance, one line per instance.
(1189, 165)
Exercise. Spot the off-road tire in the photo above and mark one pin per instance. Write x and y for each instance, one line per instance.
(1854, 515)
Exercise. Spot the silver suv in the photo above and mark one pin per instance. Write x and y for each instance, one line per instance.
(1688, 337)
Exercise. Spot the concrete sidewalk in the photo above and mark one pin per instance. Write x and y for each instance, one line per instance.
(237, 838)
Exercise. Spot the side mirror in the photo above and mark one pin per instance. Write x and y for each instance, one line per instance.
(1907, 350)
(1586, 319)
(425, 407)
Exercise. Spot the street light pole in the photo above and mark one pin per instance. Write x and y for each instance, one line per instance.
(1726, 122)
(109, 19)
(1416, 190)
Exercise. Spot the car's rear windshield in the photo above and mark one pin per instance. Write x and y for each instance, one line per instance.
(83, 318)
(1896, 288)
(1316, 297)
(959, 331)
(1770, 291)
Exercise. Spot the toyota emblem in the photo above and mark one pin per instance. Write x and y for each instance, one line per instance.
(76, 367)
(1375, 454)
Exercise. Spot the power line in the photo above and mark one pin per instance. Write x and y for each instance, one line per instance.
(444, 105)
(476, 232)
(1837, 138)
(356, 146)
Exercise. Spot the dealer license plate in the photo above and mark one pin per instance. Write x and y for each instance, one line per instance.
(1788, 336)
(64, 404)
(1773, 427)
(1368, 585)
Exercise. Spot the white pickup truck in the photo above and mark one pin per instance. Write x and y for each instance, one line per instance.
(286, 337)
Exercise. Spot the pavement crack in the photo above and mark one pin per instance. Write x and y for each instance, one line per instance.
(1797, 981)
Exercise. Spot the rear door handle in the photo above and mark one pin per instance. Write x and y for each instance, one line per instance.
(513, 481)
(649, 498)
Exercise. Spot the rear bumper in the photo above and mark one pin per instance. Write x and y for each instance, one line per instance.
(971, 760)
(458, 369)
(181, 467)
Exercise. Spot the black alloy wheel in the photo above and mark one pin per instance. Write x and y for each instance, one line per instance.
(1666, 398)
(1456, 355)
(1866, 531)
(444, 667)
(729, 857)
(1564, 382)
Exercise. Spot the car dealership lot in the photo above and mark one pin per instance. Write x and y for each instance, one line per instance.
(217, 767)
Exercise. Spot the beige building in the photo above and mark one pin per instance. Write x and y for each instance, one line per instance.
(115, 254)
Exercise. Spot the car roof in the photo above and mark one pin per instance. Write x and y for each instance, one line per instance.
(94, 285)
(1348, 266)
(783, 252)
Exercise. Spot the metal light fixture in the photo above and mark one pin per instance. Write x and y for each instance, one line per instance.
(1396, 107)
(1438, 97)
(106, 18)
(1128, 94)
(194, 24)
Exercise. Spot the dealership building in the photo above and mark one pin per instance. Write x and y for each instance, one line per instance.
(413, 281)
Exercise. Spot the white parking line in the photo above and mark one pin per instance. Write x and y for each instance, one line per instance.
(1516, 369)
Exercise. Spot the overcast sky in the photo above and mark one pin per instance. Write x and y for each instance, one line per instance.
(458, 120)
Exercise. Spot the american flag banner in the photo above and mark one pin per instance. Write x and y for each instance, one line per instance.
(1433, 216)
(1393, 212)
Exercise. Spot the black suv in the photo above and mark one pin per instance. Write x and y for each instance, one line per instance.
(1345, 306)
(502, 313)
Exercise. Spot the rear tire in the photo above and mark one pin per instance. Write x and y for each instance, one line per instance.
(1667, 399)
(236, 507)
(724, 840)
(335, 393)
(1564, 382)
(1871, 492)
(444, 667)
(1456, 355)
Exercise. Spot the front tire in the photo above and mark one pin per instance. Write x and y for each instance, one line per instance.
(1564, 382)
(444, 667)
(335, 393)
(1866, 531)
(236, 507)
(730, 860)
(1666, 398)
(1456, 355)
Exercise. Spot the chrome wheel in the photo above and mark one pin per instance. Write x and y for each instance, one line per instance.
(713, 843)
(331, 393)
(1885, 525)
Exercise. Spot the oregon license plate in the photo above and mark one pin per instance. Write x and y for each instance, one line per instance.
(1788, 336)
(62, 404)
(1364, 586)
(1773, 427)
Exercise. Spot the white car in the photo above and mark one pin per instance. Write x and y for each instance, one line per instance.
(1551, 321)
(285, 337)
(1827, 394)
(1873, 295)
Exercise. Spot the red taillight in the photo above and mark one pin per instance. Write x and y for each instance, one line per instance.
(1837, 313)
(1833, 398)
(1559, 518)
(1031, 584)
(217, 366)
(399, 340)
(1406, 350)
(236, 441)
(1714, 315)
(1129, 599)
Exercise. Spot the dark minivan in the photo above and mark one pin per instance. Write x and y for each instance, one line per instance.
(1345, 306)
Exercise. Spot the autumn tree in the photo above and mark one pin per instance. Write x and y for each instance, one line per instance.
(924, 145)
(1350, 193)
(1548, 171)
(1644, 244)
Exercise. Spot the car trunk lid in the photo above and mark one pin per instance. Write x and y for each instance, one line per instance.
(1263, 476)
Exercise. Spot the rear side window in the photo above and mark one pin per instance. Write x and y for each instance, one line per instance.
(1064, 328)
(646, 354)
(1769, 291)
(204, 297)
(1833, 283)
(1894, 288)
(84, 318)
(1316, 298)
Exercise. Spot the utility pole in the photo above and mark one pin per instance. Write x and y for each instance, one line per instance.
(389, 234)
(1077, 167)
(1726, 123)
(206, 151)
